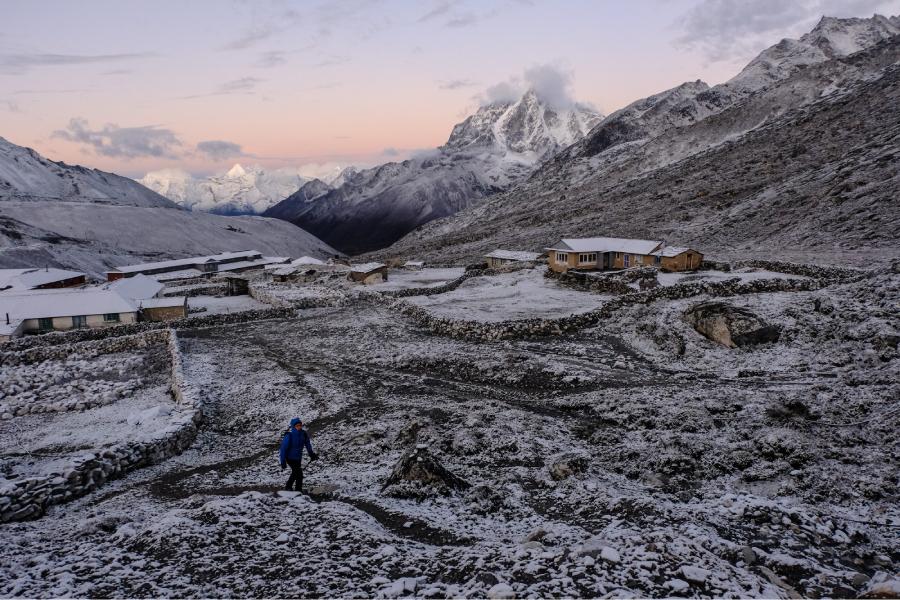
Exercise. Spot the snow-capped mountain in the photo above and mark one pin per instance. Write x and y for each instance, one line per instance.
(796, 152)
(527, 126)
(57, 215)
(240, 190)
(497, 146)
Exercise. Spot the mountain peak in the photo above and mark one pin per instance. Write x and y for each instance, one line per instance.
(236, 171)
(841, 37)
(526, 125)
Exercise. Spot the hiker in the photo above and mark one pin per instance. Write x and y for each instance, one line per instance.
(292, 453)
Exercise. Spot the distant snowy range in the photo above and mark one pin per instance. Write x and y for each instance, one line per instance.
(241, 190)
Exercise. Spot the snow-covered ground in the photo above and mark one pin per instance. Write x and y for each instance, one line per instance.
(515, 295)
(766, 471)
(225, 304)
(401, 279)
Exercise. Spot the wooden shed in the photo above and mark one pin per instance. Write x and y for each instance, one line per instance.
(368, 273)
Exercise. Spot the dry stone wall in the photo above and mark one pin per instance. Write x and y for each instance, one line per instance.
(525, 328)
(30, 497)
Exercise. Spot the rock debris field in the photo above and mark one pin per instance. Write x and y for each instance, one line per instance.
(632, 458)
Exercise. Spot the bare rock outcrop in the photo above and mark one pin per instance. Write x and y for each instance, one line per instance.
(419, 474)
(730, 326)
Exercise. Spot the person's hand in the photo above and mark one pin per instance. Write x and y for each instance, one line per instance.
(283, 466)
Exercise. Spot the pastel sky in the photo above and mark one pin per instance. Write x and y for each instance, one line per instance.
(140, 85)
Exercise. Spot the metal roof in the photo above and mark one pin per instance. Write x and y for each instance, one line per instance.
(63, 303)
(366, 267)
(607, 244)
(28, 279)
(185, 262)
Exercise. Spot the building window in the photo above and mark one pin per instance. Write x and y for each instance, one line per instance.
(45, 324)
(657, 260)
(111, 318)
(587, 258)
(79, 321)
(562, 257)
(638, 259)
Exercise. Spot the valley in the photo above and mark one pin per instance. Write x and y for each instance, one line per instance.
(594, 462)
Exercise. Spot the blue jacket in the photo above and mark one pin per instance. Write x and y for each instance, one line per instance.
(292, 445)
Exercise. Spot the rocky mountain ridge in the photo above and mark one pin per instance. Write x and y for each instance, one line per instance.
(489, 151)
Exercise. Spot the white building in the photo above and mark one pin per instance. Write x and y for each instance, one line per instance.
(61, 310)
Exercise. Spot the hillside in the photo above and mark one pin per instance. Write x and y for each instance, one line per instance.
(802, 166)
(53, 214)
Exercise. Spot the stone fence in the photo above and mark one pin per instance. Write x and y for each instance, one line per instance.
(831, 274)
(30, 497)
(524, 328)
(89, 349)
(439, 289)
(212, 289)
(616, 282)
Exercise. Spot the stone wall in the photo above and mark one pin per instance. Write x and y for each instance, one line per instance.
(831, 274)
(599, 282)
(517, 329)
(440, 289)
(85, 349)
(30, 497)
(213, 289)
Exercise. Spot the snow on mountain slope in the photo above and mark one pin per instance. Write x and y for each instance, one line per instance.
(695, 101)
(489, 151)
(240, 190)
(52, 214)
(803, 165)
(25, 174)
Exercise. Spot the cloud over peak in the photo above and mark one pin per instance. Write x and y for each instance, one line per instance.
(122, 142)
(220, 149)
(551, 83)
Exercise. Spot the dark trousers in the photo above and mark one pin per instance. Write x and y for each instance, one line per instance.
(296, 475)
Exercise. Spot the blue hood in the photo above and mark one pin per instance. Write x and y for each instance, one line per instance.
(295, 420)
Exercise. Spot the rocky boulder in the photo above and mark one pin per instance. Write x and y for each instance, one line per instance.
(730, 326)
(419, 474)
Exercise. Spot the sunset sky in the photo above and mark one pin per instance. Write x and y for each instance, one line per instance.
(136, 86)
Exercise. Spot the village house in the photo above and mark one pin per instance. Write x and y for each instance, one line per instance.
(306, 266)
(368, 273)
(39, 279)
(198, 266)
(164, 309)
(61, 310)
(498, 257)
(595, 254)
(414, 265)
